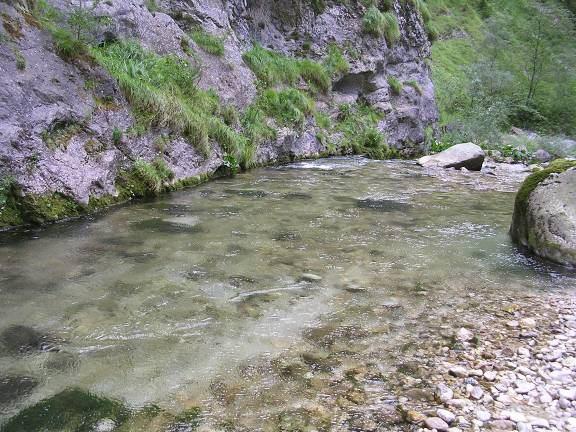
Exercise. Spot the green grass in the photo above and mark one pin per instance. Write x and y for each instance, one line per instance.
(414, 84)
(274, 69)
(211, 44)
(395, 85)
(358, 126)
(163, 93)
(335, 62)
(481, 64)
(381, 24)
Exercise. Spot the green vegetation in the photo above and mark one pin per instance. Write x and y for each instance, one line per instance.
(558, 166)
(163, 93)
(381, 24)
(151, 5)
(60, 134)
(289, 107)
(117, 136)
(20, 60)
(358, 123)
(395, 85)
(71, 410)
(209, 43)
(76, 410)
(502, 64)
(335, 62)
(274, 69)
(414, 84)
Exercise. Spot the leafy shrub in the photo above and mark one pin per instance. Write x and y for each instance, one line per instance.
(209, 43)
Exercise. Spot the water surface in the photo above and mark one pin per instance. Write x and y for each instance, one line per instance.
(159, 302)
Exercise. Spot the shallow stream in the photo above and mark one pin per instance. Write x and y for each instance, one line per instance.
(181, 301)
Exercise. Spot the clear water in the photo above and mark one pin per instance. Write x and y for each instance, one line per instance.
(158, 302)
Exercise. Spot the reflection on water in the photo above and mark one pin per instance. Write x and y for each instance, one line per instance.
(171, 301)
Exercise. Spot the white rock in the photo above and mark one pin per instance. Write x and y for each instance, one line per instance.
(436, 423)
(446, 415)
(458, 371)
(523, 387)
(545, 398)
(512, 324)
(569, 394)
(490, 375)
(105, 425)
(527, 323)
(477, 393)
(464, 335)
(483, 415)
(539, 422)
(516, 416)
(444, 392)
(524, 427)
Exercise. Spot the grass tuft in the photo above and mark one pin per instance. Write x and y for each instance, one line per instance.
(211, 44)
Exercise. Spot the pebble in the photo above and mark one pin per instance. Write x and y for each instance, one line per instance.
(458, 371)
(569, 394)
(524, 427)
(444, 393)
(464, 335)
(483, 415)
(477, 393)
(517, 417)
(436, 423)
(490, 375)
(447, 416)
(523, 387)
(527, 323)
(502, 425)
(310, 277)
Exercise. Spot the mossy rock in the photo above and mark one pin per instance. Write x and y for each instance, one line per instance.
(72, 410)
(544, 220)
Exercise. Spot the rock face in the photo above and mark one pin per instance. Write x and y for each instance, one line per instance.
(468, 155)
(41, 92)
(545, 214)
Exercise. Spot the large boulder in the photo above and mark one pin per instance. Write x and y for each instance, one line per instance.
(467, 155)
(545, 213)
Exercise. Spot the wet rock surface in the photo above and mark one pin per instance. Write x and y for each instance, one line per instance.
(544, 219)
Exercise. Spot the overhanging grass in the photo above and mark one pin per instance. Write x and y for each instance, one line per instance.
(274, 69)
(163, 93)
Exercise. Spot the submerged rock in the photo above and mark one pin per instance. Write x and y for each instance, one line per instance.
(13, 388)
(468, 155)
(19, 339)
(545, 213)
(74, 410)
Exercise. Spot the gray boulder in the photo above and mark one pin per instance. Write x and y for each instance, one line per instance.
(467, 155)
(545, 214)
(542, 155)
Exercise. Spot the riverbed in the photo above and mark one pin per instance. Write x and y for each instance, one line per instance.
(246, 295)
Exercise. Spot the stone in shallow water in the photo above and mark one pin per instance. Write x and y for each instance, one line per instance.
(310, 277)
(250, 193)
(13, 388)
(73, 410)
(19, 339)
(383, 205)
(169, 226)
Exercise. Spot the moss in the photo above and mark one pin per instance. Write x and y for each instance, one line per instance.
(39, 209)
(395, 85)
(60, 134)
(556, 167)
(71, 410)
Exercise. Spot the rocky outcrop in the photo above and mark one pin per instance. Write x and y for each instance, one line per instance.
(43, 94)
(468, 155)
(545, 213)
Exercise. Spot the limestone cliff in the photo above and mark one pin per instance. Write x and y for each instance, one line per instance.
(67, 127)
